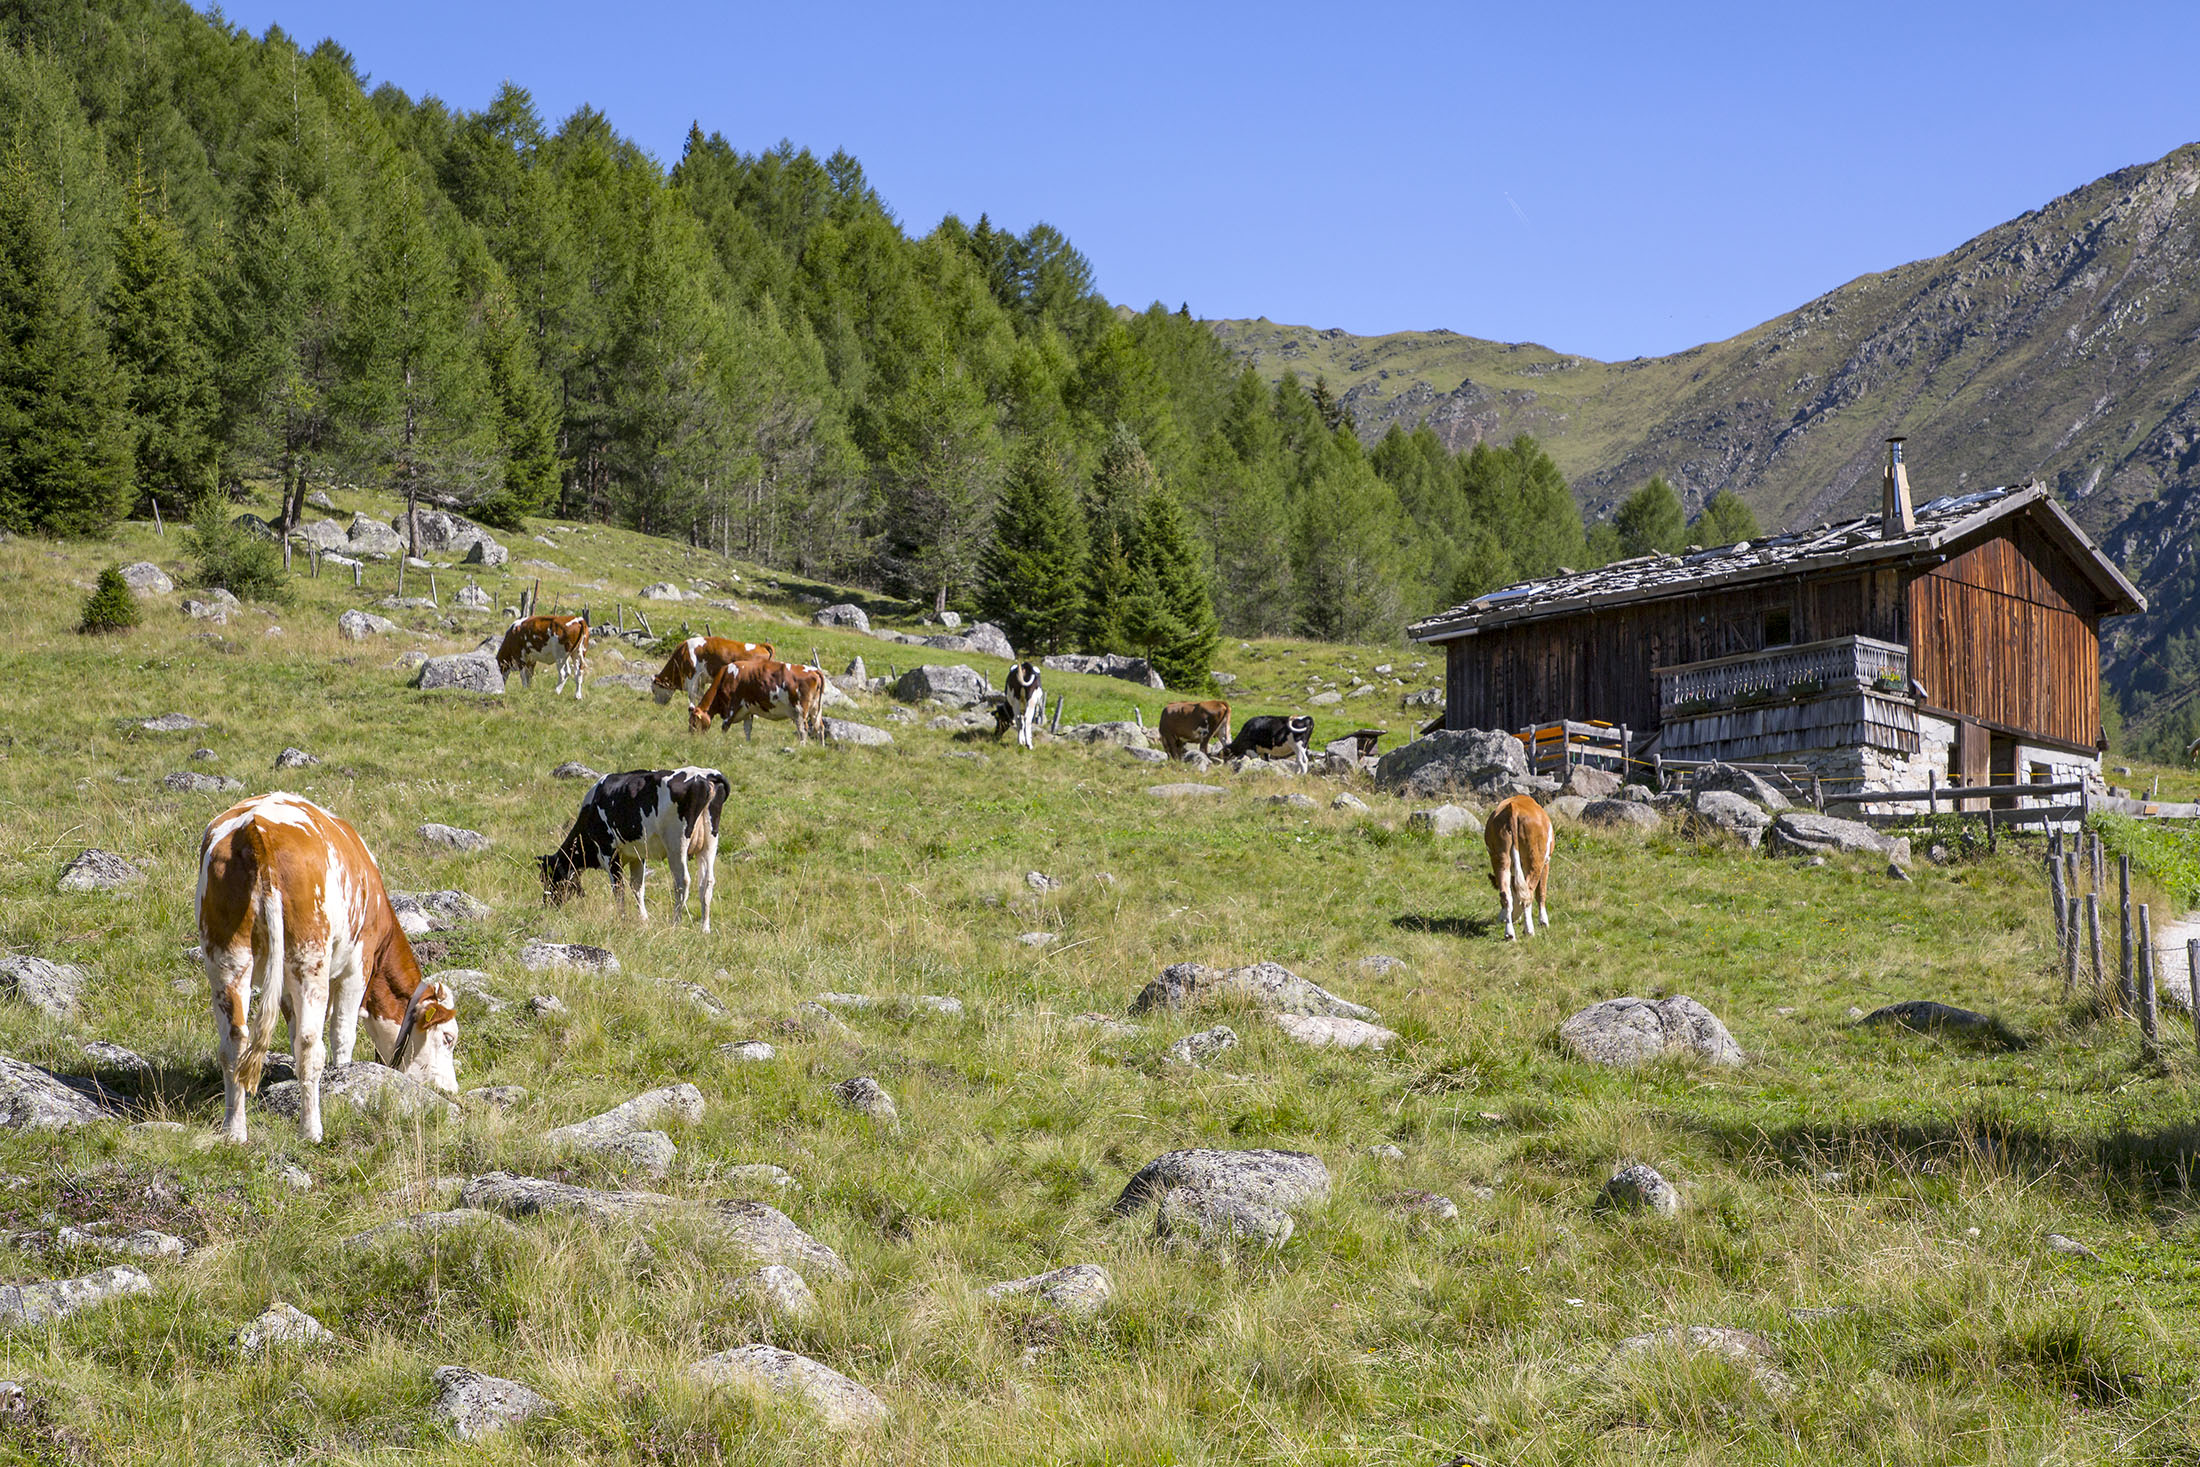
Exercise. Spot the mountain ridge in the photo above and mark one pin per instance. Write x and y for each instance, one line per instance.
(2063, 344)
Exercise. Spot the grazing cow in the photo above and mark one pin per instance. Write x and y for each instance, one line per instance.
(1518, 834)
(292, 918)
(1367, 739)
(560, 641)
(1182, 723)
(625, 818)
(1272, 737)
(1021, 702)
(763, 689)
(696, 663)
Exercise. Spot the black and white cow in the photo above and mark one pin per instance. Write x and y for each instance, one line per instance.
(626, 818)
(1022, 701)
(1272, 737)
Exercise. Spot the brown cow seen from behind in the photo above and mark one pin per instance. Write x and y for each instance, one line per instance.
(1518, 834)
(546, 641)
(1187, 723)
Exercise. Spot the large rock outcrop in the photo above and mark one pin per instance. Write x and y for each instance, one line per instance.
(1452, 761)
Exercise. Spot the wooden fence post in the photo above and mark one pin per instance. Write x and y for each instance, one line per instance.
(1993, 832)
(2070, 958)
(2055, 893)
(158, 528)
(355, 567)
(401, 575)
(2093, 937)
(2150, 1039)
(1932, 792)
(1056, 726)
(2192, 976)
(2123, 900)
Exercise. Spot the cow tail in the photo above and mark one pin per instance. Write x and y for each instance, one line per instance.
(268, 956)
(1522, 892)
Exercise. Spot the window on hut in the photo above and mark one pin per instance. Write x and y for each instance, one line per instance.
(1779, 627)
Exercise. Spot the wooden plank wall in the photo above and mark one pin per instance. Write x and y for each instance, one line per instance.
(1597, 665)
(2007, 632)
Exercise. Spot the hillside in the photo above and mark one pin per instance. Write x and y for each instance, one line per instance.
(1874, 1208)
(2064, 344)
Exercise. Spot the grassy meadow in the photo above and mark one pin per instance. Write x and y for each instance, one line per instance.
(1875, 1204)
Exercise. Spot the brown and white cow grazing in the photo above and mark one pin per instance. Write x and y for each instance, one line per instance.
(695, 664)
(1518, 834)
(546, 641)
(1186, 723)
(763, 689)
(293, 918)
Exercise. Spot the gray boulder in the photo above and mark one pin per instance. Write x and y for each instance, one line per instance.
(1621, 814)
(485, 551)
(1346, 800)
(1269, 986)
(33, 1099)
(319, 500)
(1751, 1352)
(473, 598)
(1725, 811)
(644, 1112)
(372, 537)
(1640, 1188)
(454, 838)
(866, 1097)
(838, 1402)
(1569, 806)
(171, 723)
(466, 672)
(143, 575)
(1806, 833)
(1319, 1031)
(112, 1059)
(436, 1227)
(1418, 1205)
(1273, 1178)
(1445, 820)
(1449, 761)
(110, 1238)
(748, 1051)
(294, 759)
(363, 1085)
(1751, 787)
(574, 769)
(442, 533)
(201, 611)
(1924, 1016)
(1079, 1288)
(765, 1232)
(956, 685)
(473, 1405)
(282, 1324)
(438, 911)
(663, 591)
(323, 535)
(1197, 1049)
(843, 731)
(1219, 1221)
(25, 1305)
(538, 956)
(780, 1290)
(989, 639)
(1107, 664)
(843, 615)
(1590, 783)
(191, 782)
(51, 988)
(1184, 791)
(1632, 1031)
(1130, 735)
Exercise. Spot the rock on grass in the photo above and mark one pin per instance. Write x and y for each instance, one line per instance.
(764, 1231)
(1268, 986)
(839, 1403)
(1277, 1178)
(1078, 1288)
(1640, 1188)
(1219, 1220)
(780, 1290)
(538, 956)
(866, 1097)
(473, 1405)
(1323, 1032)
(51, 988)
(282, 1324)
(32, 1099)
(97, 870)
(1197, 1049)
(35, 1304)
(1632, 1031)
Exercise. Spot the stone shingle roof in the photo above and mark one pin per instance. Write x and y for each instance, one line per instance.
(1798, 552)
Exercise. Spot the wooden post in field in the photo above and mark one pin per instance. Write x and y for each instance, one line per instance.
(1993, 832)
(2100, 864)
(401, 575)
(355, 567)
(2093, 936)
(2123, 900)
(2192, 976)
(1817, 793)
(286, 555)
(158, 528)
(2150, 1039)
(2056, 895)
(1626, 752)
(1932, 792)
(2070, 956)
(433, 594)
(1059, 700)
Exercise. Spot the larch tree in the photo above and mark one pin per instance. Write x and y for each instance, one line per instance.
(1650, 519)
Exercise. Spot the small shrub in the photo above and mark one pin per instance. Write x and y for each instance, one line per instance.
(111, 607)
(234, 558)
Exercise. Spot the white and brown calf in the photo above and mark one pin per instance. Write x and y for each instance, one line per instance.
(695, 664)
(292, 919)
(626, 818)
(1518, 834)
(546, 641)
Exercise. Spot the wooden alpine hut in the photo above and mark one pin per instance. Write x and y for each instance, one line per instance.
(1959, 640)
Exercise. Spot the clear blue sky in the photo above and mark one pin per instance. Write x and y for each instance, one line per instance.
(1616, 180)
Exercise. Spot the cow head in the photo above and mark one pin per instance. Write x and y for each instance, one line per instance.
(698, 720)
(665, 684)
(427, 1042)
(561, 878)
(1302, 728)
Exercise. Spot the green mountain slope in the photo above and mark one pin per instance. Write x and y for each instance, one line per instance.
(2064, 344)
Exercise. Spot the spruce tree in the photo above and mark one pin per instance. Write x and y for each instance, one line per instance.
(64, 430)
(1182, 639)
(1033, 574)
(1725, 520)
(1109, 584)
(1650, 519)
(157, 336)
(112, 607)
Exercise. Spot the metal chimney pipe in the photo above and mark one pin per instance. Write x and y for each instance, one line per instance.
(1895, 514)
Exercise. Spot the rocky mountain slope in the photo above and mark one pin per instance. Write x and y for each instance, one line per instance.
(2064, 344)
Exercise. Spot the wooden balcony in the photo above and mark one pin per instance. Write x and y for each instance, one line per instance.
(1839, 693)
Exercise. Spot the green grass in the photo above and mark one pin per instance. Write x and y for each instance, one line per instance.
(900, 871)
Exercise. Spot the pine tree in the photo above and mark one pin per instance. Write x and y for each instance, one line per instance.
(64, 431)
(1172, 610)
(1113, 501)
(1650, 519)
(1109, 584)
(1033, 573)
(1725, 520)
(111, 607)
(157, 336)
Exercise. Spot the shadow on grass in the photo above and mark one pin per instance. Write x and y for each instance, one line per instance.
(1447, 926)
